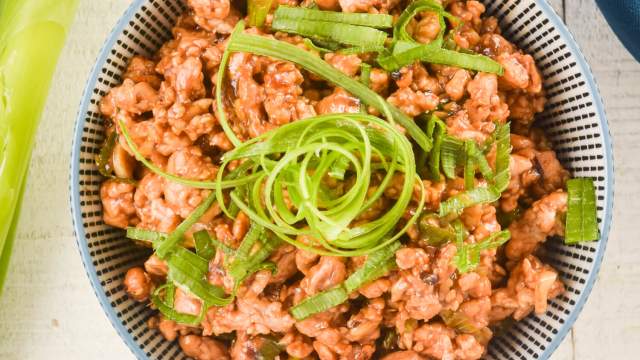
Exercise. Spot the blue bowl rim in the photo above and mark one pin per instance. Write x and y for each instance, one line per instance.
(75, 167)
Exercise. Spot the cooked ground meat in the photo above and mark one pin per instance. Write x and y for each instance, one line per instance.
(167, 103)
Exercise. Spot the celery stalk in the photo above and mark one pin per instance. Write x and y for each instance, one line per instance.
(32, 34)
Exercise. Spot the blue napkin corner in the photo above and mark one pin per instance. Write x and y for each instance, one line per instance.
(624, 18)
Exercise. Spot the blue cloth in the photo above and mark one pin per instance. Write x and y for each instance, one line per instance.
(624, 18)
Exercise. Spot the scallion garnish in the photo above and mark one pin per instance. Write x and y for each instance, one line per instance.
(353, 35)
(582, 221)
(257, 11)
(104, 157)
(167, 245)
(319, 303)
(378, 264)
(467, 256)
(380, 21)
(493, 190)
(294, 158)
(204, 247)
(166, 306)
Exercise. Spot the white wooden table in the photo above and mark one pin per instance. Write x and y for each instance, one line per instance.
(49, 311)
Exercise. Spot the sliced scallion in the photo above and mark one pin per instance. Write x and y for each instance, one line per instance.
(257, 11)
(582, 221)
(380, 21)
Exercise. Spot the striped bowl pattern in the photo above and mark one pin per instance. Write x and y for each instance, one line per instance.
(574, 120)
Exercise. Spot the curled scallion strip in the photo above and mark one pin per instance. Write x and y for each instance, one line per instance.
(295, 159)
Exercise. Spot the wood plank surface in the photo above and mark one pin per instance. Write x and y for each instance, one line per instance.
(49, 311)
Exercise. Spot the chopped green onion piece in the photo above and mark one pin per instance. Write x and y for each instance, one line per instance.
(373, 267)
(437, 129)
(451, 155)
(380, 21)
(284, 51)
(582, 221)
(365, 74)
(469, 166)
(166, 246)
(503, 157)
(430, 54)
(204, 247)
(400, 29)
(104, 157)
(433, 235)
(378, 264)
(361, 50)
(258, 10)
(145, 235)
(269, 349)
(338, 32)
(167, 310)
(190, 274)
(322, 50)
(493, 191)
(244, 265)
(459, 321)
(319, 303)
(467, 256)
(460, 201)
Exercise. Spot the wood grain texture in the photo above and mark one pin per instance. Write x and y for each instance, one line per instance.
(48, 310)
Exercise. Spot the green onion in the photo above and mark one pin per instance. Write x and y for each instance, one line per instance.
(284, 51)
(32, 34)
(493, 191)
(166, 246)
(451, 155)
(365, 74)
(257, 11)
(145, 235)
(103, 159)
(469, 166)
(428, 53)
(319, 48)
(437, 129)
(433, 235)
(244, 265)
(374, 267)
(204, 247)
(189, 272)
(400, 29)
(467, 256)
(287, 156)
(319, 303)
(329, 31)
(380, 21)
(378, 264)
(269, 349)
(167, 310)
(582, 221)
(503, 151)
(458, 321)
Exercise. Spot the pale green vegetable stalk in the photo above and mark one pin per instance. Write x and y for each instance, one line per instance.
(32, 33)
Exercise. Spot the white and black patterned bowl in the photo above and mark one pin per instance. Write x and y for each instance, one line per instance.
(574, 120)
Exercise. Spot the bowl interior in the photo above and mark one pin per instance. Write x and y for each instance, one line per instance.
(573, 119)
